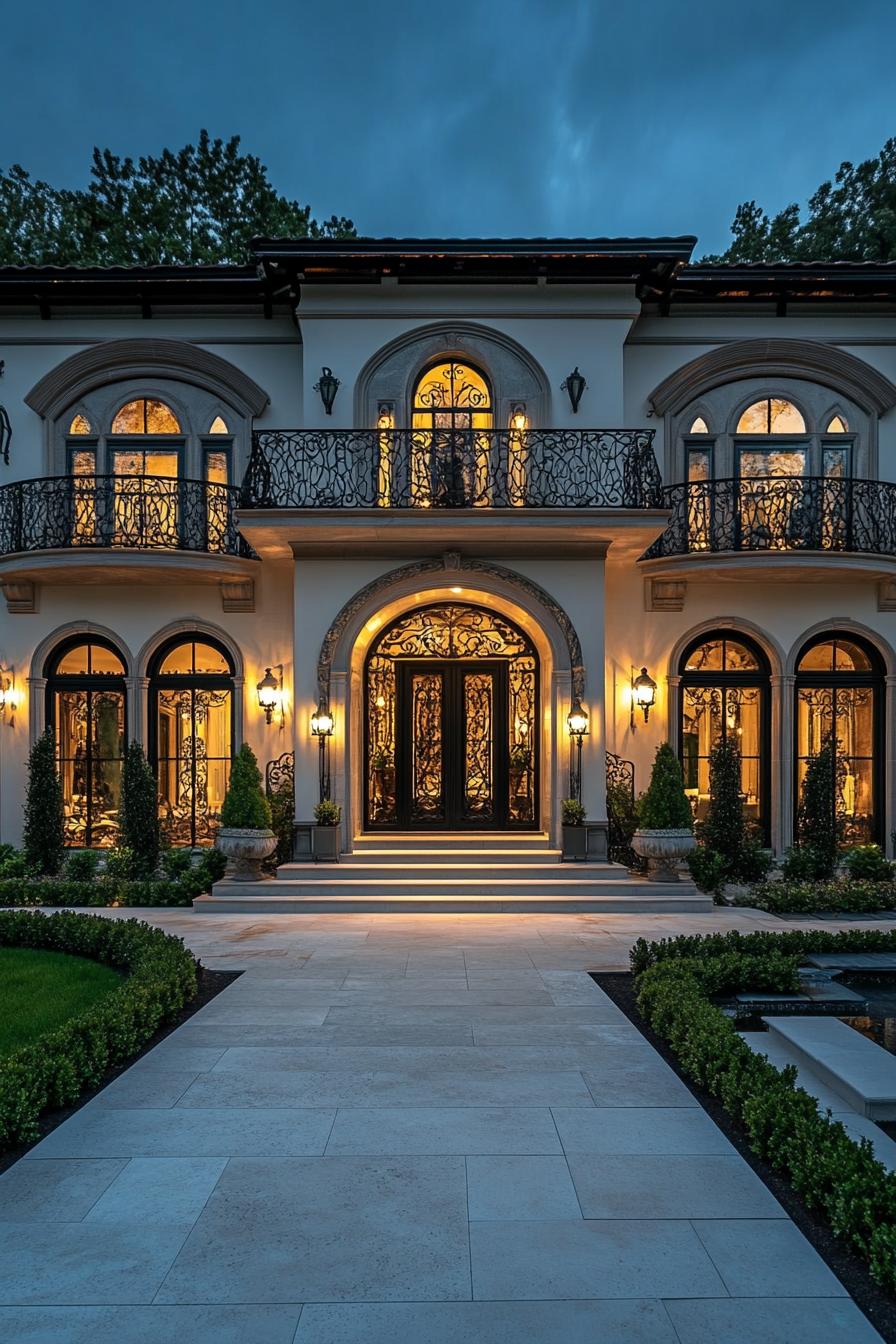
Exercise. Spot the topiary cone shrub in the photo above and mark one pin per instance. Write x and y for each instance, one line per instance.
(665, 832)
(139, 813)
(44, 835)
(245, 806)
(819, 822)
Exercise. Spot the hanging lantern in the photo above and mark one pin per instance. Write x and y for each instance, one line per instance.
(327, 386)
(574, 385)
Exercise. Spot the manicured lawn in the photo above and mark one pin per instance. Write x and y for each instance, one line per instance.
(41, 990)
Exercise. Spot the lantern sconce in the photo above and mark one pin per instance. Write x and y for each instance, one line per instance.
(519, 421)
(9, 698)
(270, 694)
(577, 725)
(322, 725)
(327, 385)
(385, 417)
(643, 695)
(574, 385)
(5, 425)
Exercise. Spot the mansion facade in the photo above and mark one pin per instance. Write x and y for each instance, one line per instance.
(402, 514)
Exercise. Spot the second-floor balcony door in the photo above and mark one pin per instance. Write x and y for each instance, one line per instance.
(146, 496)
(449, 464)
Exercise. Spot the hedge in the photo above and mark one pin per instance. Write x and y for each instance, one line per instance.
(830, 1171)
(110, 891)
(161, 977)
(855, 897)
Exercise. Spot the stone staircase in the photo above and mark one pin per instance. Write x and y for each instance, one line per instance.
(453, 873)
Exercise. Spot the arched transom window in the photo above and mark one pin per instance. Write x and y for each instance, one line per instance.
(839, 701)
(191, 735)
(725, 695)
(449, 459)
(86, 709)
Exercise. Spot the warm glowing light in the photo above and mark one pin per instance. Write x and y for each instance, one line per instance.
(270, 692)
(643, 693)
(374, 623)
(457, 590)
(321, 721)
(577, 720)
(519, 422)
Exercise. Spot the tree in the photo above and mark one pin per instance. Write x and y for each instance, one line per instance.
(197, 205)
(138, 816)
(665, 805)
(852, 218)
(820, 822)
(44, 834)
(245, 806)
(724, 829)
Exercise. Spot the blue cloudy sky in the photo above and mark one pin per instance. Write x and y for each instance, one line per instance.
(500, 117)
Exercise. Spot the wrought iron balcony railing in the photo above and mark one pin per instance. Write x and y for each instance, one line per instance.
(452, 469)
(142, 513)
(779, 513)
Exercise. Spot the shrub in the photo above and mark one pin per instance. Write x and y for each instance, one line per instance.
(176, 862)
(81, 865)
(245, 806)
(665, 805)
(13, 864)
(283, 815)
(867, 863)
(819, 820)
(105, 890)
(56, 1069)
(810, 897)
(572, 812)
(44, 819)
(327, 813)
(723, 830)
(827, 1169)
(139, 814)
(708, 869)
(120, 862)
(804, 863)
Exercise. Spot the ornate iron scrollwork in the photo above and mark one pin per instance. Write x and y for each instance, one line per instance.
(621, 811)
(280, 774)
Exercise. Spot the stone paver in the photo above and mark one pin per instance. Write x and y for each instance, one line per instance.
(432, 1128)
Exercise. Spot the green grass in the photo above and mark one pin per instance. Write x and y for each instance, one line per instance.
(42, 990)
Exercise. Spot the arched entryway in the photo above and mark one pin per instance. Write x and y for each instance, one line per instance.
(451, 718)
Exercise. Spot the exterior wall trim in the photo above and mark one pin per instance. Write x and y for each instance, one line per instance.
(117, 360)
(819, 363)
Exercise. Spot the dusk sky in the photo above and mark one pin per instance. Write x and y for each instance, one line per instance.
(541, 117)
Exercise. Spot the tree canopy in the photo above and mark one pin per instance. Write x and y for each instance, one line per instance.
(193, 206)
(852, 218)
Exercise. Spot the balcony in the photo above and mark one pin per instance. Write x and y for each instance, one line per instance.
(305, 490)
(828, 525)
(91, 528)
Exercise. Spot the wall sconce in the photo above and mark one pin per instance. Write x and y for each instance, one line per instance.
(577, 725)
(519, 421)
(327, 385)
(9, 698)
(322, 725)
(643, 695)
(574, 385)
(5, 425)
(270, 693)
(385, 417)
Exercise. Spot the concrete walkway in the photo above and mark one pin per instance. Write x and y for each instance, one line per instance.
(423, 1129)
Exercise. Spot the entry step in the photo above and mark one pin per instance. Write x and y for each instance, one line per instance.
(857, 1069)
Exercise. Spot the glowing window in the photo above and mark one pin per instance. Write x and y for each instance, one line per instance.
(79, 425)
(218, 426)
(838, 425)
(145, 416)
(772, 415)
(699, 426)
(194, 656)
(452, 396)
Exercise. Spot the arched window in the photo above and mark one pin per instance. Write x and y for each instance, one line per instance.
(839, 698)
(145, 415)
(771, 415)
(699, 426)
(86, 708)
(218, 426)
(837, 425)
(191, 735)
(449, 460)
(79, 425)
(725, 694)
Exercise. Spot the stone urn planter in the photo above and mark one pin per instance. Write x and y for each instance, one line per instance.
(245, 850)
(663, 849)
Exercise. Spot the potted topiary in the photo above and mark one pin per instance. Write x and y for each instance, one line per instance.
(245, 837)
(575, 834)
(327, 817)
(665, 831)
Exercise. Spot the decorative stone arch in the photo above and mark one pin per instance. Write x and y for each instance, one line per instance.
(191, 627)
(809, 360)
(139, 357)
(353, 614)
(37, 682)
(846, 625)
(391, 373)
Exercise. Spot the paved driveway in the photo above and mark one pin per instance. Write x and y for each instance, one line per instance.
(433, 1130)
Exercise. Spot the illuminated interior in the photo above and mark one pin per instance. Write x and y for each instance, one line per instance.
(191, 704)
(86, 710)
(724, 694)
(146, 415)
(218, 426)
(838, 691)
(449, 462)
(771, 415)
(79, 425)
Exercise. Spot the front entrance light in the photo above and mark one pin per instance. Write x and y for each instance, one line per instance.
(577, 723)
(321, 721)
(643, 694)
(577, 720)
(574, 385)
(327, 386)
(270, 692)
(322, 728)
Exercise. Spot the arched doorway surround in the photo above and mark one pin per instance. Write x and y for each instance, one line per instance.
(451, 710)
(341, 665)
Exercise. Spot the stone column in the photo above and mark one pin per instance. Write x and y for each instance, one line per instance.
(783, 762)
(594, 752)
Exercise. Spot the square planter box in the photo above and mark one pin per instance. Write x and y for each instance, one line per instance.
(326, 843)
(575, 844)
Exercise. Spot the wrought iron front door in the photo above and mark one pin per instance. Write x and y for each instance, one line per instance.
(452, 718)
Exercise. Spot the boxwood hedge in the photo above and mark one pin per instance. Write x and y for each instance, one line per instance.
(105, 890)
(828, 1170)
(160, 978)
